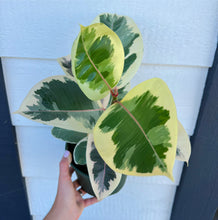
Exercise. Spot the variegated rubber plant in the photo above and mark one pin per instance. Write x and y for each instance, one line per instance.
(116, 131)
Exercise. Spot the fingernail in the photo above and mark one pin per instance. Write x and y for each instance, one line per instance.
(66, 154)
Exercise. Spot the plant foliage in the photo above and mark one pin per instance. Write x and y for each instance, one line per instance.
(131, 132)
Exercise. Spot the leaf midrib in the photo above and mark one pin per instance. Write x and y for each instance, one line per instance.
(103, 177)
(104, 80)
(64, 111)
(145, 135)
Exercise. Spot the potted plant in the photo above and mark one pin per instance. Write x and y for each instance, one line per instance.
(111, 130)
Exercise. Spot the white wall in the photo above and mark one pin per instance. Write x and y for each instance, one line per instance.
(180, 39)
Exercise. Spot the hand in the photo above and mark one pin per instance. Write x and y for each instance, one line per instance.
(69, 203)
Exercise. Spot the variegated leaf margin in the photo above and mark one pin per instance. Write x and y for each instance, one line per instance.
(65, 63)
(97, 60)
(103, 179)
(138, 135)
(183, 151)
(68, 136)
(132, 41)
(103, 103)
(123, 91)
(79, 153)
(58, 101)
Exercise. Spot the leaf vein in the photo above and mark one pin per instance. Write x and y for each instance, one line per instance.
(85, 110)
(140, 127)
(105, 81)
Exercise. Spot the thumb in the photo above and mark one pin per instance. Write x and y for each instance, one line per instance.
(64, 165)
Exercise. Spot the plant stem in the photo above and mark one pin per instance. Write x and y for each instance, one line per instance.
(114, 94)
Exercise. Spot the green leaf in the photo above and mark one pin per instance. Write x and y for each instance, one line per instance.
(58, 101)
(123, 91)
(132, 41)
(79, 153)
(68, 135)
(138, 135)
(65, 63)
(97, 60)
(183, 151)
(103, 179)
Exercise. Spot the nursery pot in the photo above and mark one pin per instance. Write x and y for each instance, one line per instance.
(83, 176)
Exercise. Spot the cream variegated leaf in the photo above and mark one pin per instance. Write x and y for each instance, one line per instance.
(132, 41)
(97, 60)
(79, 153)
(68, 136)
(58, 101)
(183, 151)
(65, 63)
(103, 179)
(104, 102)
(138, 135)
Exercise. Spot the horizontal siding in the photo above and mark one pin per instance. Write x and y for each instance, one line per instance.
(185, 83)
(134, 201)
(174, 32)
(39, 151)
(179, 44)
(40, 154)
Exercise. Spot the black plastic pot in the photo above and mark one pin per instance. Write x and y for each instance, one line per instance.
(83, 177)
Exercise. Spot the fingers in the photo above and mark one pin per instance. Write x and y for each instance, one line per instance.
(76, 185)
(71, 170)
(82, 192)
(64, 165)
(65, 174)
(90, 201)
(68, 155)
